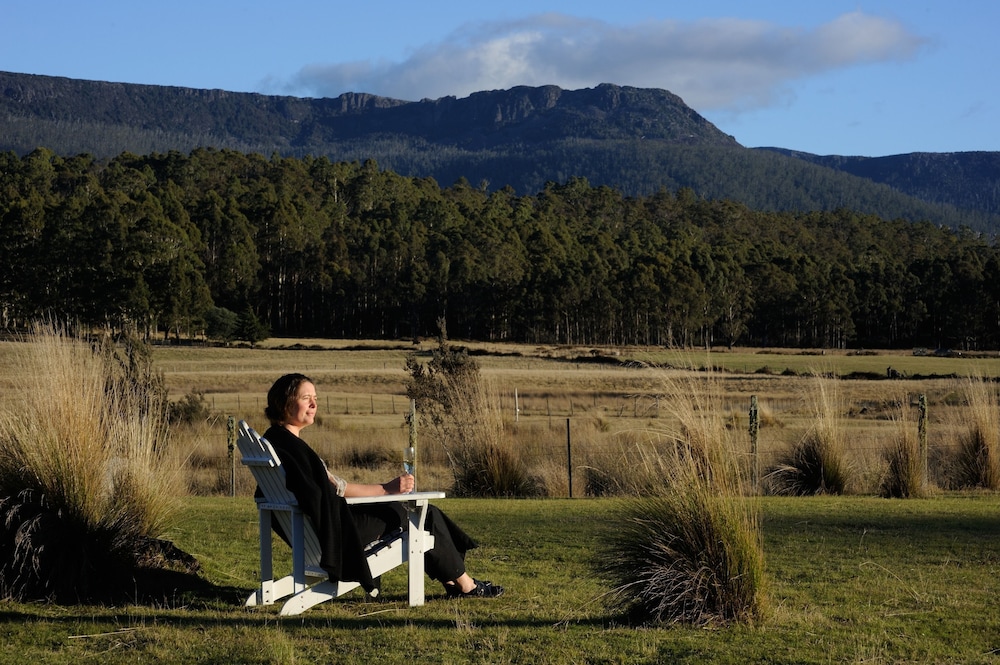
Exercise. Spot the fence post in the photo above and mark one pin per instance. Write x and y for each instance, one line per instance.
(231, 444)
(569, 458)
(922, 434)
(754, 429)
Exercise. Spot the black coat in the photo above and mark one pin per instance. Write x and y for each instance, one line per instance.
(342, 555)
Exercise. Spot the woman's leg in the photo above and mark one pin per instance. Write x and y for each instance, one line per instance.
(445, 562)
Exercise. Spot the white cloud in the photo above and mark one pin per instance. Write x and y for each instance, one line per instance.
(713, 64)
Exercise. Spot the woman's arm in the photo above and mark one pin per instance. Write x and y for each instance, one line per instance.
(400, 485)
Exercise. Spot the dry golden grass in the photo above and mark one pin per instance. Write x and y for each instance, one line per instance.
(687, 547)
(362, 387)
(87, 480)
(85, 437)
(817, 463)
(978, 437)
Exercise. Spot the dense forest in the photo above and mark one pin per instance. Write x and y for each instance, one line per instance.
(173, 244)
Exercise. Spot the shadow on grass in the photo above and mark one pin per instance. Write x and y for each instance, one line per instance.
(214, 606)
(185, 598)
(153, 587)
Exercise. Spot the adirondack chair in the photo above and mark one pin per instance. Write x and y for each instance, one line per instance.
(309, 585)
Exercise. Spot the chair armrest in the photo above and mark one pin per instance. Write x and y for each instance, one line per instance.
(388, 498)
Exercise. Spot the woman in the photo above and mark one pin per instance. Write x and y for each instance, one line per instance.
(291, 406)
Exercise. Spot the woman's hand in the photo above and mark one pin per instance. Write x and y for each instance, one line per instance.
(401, 485)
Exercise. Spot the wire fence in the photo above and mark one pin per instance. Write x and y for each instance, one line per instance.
(575, 435)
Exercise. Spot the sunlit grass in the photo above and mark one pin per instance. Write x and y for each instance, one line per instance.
(591, 408)
(852, 579)
(904, 475)
(978, 451)
(687, 547)
(818, 463)
(86, 473)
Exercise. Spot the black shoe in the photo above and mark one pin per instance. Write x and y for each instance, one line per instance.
(481, 590)
(375, 594)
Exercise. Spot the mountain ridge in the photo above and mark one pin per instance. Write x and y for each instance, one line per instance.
(637, 140)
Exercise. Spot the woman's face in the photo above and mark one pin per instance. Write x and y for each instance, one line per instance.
(301, 412)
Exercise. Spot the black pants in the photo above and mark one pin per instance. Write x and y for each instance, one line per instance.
(445, 562)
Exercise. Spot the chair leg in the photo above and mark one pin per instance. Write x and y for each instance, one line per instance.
(314, 595)
(418, 541)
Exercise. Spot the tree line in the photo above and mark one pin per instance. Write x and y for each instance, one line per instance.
(207, 242)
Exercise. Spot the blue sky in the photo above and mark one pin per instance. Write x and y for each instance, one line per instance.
(827, 77)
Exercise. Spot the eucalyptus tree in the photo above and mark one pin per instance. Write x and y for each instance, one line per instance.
(497, 263)
(159, 256)
(25, 198)
(229, 250)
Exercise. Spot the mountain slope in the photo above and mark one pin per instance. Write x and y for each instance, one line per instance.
(961, 179)
(634, 140)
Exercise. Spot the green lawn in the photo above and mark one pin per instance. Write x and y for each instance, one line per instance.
(851, 579)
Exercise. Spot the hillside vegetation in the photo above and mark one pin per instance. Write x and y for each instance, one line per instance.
(636, 141)
(963, 179)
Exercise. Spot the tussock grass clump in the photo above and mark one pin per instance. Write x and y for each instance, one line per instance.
(977, 462)
(483, 457)
(690, 551)
(690, 556)
(904, 476)
(905, 473)
(818, 462)
(86, 487)
(464, 411)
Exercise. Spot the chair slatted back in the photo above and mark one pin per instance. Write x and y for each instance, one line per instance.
(259, 456)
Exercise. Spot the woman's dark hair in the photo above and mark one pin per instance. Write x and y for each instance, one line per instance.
(281, 395)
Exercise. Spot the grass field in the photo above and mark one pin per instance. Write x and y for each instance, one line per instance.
(598, 396)
(851, 580)
(545, 389)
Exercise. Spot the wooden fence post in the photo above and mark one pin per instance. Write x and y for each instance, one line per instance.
(922, 434)
(569, 458)
(413, 423)
(231, 445)
(754, 429)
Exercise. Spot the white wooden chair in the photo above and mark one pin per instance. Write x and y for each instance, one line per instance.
(308, 585)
